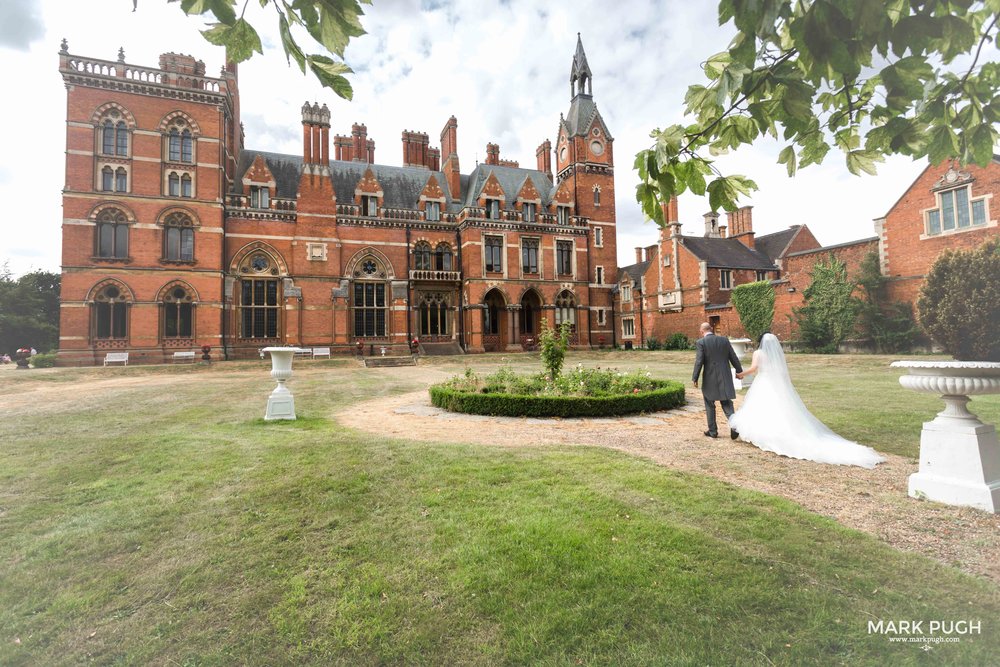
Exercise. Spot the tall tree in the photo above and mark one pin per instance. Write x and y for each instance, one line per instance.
(869, 77)
(29, 311)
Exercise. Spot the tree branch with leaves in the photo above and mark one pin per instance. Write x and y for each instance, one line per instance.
(330, 23)
(869, 77)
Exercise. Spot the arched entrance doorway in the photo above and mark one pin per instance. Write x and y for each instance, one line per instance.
(494, 321)
(531, 315)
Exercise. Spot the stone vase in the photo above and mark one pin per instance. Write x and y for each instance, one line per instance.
(281, 403)
(959, 454)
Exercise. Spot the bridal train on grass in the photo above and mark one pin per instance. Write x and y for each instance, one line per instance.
(775, 419)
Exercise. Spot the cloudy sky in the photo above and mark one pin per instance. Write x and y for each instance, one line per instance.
(502, 68)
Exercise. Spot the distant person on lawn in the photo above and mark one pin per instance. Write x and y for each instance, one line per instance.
(715, 355)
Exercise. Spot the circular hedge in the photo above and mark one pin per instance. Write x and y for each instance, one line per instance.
(666, 394)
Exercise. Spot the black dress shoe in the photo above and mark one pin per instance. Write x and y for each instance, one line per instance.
(711, 435)
(734, 434)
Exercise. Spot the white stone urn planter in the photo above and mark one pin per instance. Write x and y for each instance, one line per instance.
(740, 346)
(959, 455)
(281, 403)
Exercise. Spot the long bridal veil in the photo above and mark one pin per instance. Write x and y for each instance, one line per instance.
(774, 418)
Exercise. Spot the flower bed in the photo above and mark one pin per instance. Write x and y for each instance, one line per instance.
(579, 393)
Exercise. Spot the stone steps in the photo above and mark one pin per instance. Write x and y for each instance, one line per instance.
(441, 349)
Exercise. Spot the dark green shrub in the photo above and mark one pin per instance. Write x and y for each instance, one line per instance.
(959, 304)
(663, 396)
(677, 341)
(754, 303)
(653, 343)
(47, 360)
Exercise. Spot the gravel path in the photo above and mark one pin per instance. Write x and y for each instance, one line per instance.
(873, 501)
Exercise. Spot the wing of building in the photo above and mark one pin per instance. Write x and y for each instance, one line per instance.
(176, 235)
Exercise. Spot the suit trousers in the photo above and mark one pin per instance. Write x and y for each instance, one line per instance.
(727, 408)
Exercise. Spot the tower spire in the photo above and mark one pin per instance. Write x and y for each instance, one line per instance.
(580, 76)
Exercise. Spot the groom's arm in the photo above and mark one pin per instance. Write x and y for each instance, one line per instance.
(735, 360)
(699, 360)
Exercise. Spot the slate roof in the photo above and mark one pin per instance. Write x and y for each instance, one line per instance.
(511, 179)
(846, 244)
(402, 185)
(634, 271)
(772, 245)
(726, 253)
(581, 112)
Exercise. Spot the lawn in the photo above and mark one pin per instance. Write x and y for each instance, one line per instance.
(156, 519)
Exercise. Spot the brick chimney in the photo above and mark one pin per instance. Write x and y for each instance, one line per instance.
(416, 152)
(359, 137)
(492, 153)
(434, 159)
(741, 226)
(670, 213)
(370, 145)
(449, 153)
(638, 255)
(343, 147)
(315, 134)
(544, 156)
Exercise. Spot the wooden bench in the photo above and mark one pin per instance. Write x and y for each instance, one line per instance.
(184, 356)
(304, 352)
(321, 352)
(115, 358)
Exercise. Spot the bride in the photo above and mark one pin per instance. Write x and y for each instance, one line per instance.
(774, 418)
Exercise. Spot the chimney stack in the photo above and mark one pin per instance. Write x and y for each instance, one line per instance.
(544, 156)
(741, 226)
(449, 153)
(416, 151)
(359, 136)
(434, 159)
(492, 154)
(638, 255)
(315, 134)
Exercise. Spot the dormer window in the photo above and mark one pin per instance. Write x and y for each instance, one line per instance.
(433, 211)
(529, 212)
(260, 196)
(369, 206)
(626, 293)
(492, 209)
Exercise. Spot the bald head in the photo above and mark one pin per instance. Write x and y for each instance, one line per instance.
(705, 328)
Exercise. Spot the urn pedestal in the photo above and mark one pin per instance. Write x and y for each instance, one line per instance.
(959, 454)
(281, 403)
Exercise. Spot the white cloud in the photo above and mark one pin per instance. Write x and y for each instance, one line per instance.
(502, 68)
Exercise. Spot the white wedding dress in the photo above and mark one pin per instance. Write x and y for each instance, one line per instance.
(775, 419)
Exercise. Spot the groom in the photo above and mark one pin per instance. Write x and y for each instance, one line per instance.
(715, 354)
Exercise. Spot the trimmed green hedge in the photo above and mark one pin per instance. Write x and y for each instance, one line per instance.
(667, 395)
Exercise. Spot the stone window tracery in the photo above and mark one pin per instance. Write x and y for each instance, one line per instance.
(111, 234)
(178, 313)
(110, 313)
(178, 237)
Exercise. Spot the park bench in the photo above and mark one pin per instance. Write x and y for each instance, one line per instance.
(304, 352)
(116, 358)
(321, 352)
(184, 356)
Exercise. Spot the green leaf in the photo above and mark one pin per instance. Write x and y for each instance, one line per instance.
(338, 22)
(329, 74)
(981, 144)
(240, 39)
(862, 160)
(221, 9)
(943, 144)
(787, 158)
(292, 49)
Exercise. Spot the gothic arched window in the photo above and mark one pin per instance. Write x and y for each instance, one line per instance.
(110, 313)
(433, 314)
(111, 239)
(370, 303)
(566, 309)
(422, 257)
(178, 237)
(442, 257)
(178, 313)
(259, 311)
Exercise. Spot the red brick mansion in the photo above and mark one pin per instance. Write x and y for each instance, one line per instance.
(175, 235)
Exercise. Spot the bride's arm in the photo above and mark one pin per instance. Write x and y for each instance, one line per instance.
(753, 366)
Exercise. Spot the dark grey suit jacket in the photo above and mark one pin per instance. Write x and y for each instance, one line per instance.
(715, 354)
